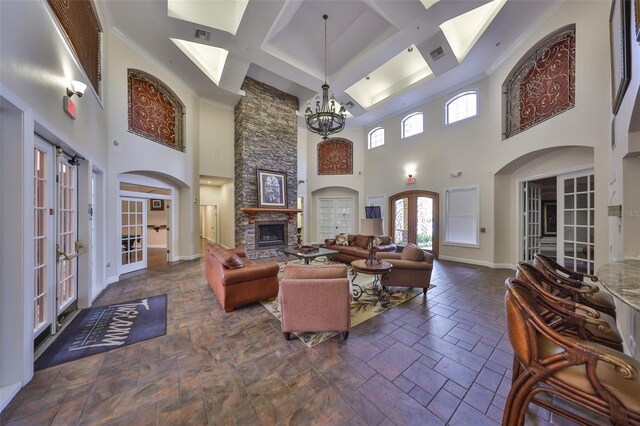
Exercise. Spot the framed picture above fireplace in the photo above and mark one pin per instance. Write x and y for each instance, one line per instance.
(272, 189)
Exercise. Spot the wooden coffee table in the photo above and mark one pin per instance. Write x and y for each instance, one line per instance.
(378, 269)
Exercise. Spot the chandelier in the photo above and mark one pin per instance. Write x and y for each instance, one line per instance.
(325, 121)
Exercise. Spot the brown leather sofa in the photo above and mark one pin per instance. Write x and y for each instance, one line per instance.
(411, 268)
(358, 247)
(235, 279)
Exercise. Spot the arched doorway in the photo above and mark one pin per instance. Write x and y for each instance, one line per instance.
(415, 219)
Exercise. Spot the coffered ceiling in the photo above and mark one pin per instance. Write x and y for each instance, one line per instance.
(380, 53)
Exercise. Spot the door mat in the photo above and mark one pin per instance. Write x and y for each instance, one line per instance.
(102, 328)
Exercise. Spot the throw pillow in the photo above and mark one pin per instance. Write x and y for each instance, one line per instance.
(412, 252)
(384, 240)
(342, 240)
(376, 242)
(362, 241)
(228, 258)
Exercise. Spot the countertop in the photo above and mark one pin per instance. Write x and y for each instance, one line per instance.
(623, 280)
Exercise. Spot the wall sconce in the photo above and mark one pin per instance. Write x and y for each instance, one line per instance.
(411, 179)
(77, 88)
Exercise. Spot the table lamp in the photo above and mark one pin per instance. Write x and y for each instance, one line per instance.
(372, 228)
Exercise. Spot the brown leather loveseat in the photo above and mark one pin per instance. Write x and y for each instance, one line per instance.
(352, 247)
(235, 279)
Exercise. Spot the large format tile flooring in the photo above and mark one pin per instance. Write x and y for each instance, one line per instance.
(440, 360)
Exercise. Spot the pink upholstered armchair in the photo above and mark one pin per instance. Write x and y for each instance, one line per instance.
(315, 298)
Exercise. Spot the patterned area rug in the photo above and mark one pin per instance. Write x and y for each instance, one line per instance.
(362, 310)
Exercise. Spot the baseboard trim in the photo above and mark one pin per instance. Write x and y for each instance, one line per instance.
(111, 280)
(190, 257)
(479, 262)
(7, 392)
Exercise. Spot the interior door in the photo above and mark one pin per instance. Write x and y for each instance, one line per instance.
(44, 237)
(133, 222)
(414, 219)
(335, 216)
(67, 231)
(576, 208)
(531, 197)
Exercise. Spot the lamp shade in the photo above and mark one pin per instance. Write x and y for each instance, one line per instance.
(371, 227)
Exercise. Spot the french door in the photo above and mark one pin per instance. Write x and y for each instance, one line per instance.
(576, 211)
(531, 219)
(335, 216)
(55, 237)
(133, 222)
(414, 219)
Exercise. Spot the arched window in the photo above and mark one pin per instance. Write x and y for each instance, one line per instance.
(542, 85)
(412, 124)
(462, 106)
(155, 111)
(376, 137)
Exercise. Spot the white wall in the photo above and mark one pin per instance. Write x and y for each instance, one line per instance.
(354, 182)
(216, 140)
(132, 153)
(226, 216)
(476, 148)
(36, 66)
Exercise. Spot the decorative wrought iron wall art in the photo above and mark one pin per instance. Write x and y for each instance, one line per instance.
(155, 112)
(335, 157)
(542, 85)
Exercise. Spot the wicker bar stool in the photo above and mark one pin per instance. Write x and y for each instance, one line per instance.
(594, 377)
(568, 317)
(572, 284)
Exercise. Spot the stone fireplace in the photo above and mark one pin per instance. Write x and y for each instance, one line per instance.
(265, 137)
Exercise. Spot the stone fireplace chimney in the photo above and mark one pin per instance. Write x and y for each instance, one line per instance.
(266, 133)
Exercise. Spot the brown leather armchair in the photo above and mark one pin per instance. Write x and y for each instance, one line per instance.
(235, 279)
(411, 268)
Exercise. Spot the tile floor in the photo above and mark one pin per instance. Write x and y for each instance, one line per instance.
(440, 360)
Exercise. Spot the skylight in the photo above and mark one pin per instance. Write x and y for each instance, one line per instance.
(463, 31)
(224, 15)
(428, 3)
(396, 75)
(209, 59)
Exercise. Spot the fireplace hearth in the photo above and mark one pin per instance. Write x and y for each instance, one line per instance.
(272, 234)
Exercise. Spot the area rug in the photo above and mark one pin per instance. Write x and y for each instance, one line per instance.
(102, 328)
(362, 310)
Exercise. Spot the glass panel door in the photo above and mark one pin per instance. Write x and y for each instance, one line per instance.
(414, 219)
(67, 280)
(133, 214)
(576, 202)
(531, 223)
(400, 231)
(424, 222)
(335, 216)
(43, 291)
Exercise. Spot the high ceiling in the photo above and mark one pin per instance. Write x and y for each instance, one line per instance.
(281, 43)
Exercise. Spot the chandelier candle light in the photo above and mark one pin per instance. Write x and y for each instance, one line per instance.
(325, 121)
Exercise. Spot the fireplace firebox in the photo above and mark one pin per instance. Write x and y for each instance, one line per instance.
(271, 234)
